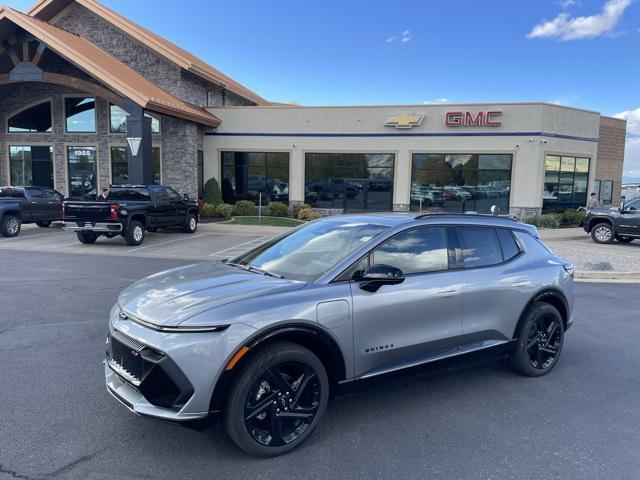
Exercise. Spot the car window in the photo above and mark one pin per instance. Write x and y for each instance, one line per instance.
(633, 206)
(480, 246)
(36, 192)
(312, 250)
(128, 193)
(510, 247)
(51, 194)
(9, 192)
(418, 250)
(161, 195)
(173, 195)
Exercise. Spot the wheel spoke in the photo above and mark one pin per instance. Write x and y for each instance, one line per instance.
(295, 415)
(532, 343)
(261, 407)
(549, 349)
(539, 358)
(280, 382)
(302, 384)
(276, 427)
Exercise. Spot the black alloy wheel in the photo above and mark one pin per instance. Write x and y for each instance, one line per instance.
(540, 341)
(278, 400)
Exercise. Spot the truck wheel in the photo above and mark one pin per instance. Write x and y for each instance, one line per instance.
(278, 397)
(87, 237)
(623, 239)
(191, 225)
(10, 226)
(602, 233)
(43, 224)
(135, 233)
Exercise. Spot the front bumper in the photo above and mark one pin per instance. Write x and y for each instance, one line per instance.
(99, 227)
(180, 371)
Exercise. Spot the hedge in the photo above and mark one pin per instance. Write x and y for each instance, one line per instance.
(245, 208)
(277, 209)
(208, 210)
(224, 210)
(212, 193)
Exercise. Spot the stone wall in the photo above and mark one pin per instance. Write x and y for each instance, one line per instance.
(611, 154)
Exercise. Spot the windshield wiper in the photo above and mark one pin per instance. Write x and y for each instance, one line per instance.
(251, 268)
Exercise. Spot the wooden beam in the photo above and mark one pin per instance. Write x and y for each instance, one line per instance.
(38, 56)
(13, 55)
(25, 52)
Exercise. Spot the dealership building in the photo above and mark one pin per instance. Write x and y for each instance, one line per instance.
(89, 98)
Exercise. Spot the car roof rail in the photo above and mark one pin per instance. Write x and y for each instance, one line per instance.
(464, 215)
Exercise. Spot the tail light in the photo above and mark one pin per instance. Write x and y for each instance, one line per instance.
(64, 212)
(113, 212)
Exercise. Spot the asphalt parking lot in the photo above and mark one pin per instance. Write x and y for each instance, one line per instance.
(582, 421)
(205, 244)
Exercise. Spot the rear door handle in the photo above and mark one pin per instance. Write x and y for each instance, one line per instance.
(448, 293)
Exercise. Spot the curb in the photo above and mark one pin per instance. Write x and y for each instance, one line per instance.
(607, 275)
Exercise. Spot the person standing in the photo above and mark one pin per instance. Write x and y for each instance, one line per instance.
(103, 196)
(593, 201)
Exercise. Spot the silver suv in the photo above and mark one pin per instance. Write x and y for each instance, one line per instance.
(268, 337)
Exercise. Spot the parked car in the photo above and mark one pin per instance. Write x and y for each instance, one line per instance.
(351, 189)
(268, 337)
(130, 210)
(619, 223)
(430, 196)
(20, 205)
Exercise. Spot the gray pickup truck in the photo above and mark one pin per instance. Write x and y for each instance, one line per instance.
(619, 223)
(18, 205)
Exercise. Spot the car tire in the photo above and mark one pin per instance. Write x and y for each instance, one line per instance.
(134, 235)
(87, 238)
(540, 338)
(43, 224)
(10, 225)
(602, 233)
(276, 378)
(623, 239)
(191, 224)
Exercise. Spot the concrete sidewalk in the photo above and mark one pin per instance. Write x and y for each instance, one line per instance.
(251, 230)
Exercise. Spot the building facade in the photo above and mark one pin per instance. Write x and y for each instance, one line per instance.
(89, 99)
(525, 158)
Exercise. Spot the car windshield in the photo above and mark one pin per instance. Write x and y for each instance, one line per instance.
(309, 252)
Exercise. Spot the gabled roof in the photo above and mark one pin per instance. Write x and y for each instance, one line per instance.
(47, 9)
(107, 69)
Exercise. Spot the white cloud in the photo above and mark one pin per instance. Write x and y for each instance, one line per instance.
(404, 37)
(566, 27)
(436, 101)
(566, 4)
(632, 147)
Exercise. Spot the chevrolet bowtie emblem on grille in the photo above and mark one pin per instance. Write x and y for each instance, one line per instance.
(404, 120)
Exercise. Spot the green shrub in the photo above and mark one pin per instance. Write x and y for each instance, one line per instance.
(547, 220)
(308, 214)
(297, 207)
(245, 208)
(212, 193)
(571, 218)
(228, 195)
(224, 210)
(277, 209)
(208, 210)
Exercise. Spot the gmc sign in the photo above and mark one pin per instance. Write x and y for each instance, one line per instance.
(469, 119)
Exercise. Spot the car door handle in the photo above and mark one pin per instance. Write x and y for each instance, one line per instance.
(448, 293)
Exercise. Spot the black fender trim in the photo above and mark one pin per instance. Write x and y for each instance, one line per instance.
(331, 355)
(551, 295)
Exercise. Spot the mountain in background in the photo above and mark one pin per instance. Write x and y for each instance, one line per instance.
(626, 179)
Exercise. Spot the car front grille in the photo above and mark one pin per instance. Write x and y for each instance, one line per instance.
(151, 372)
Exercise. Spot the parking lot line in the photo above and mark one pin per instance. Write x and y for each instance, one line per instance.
(237, 248)
(166, 243)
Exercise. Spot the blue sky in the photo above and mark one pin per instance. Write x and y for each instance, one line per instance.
(582, 53)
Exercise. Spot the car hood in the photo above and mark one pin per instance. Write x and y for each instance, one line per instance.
(171, 297)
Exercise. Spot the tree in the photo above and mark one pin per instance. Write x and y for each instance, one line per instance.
(212, 193)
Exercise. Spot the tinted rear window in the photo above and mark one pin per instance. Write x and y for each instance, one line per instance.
(509, 246)
(11, 193)
(129, 193)
(480, 246)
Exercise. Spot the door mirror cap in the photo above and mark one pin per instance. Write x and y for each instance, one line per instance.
(185, 197)
(378, 275)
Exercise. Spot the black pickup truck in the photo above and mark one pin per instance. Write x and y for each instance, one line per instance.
(130, 210)
(607, 224)
(18, 205)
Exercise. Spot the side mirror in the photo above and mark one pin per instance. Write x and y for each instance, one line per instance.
(378, 275)
(622, 199)
(185, 197)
